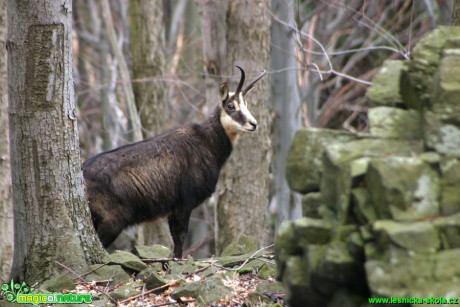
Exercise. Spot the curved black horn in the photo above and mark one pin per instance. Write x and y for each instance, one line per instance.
(240, 85)
(250, 86)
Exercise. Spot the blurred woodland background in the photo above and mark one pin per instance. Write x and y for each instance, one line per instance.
(323, 57)
(143, 66)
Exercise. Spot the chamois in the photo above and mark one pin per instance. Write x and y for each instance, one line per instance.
(168, 174)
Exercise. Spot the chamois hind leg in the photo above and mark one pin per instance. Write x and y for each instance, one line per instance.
(178, 226)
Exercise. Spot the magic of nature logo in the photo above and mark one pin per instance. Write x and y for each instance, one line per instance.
(21, 293)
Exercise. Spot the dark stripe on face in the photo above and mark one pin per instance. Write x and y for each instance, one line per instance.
(238, 117)
(236, 114)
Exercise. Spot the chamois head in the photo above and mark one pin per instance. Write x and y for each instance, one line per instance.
(235, 116)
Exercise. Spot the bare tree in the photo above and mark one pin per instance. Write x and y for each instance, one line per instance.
(244, 192)
(6, 204)
(341, 45)
(52, 219)
(100, 118)
(287, 108)
(147, 45)
(212, 30)
(131, 109)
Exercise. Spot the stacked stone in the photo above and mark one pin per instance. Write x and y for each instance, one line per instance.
(382, 210)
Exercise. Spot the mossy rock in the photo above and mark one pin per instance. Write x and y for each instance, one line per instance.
(151, 278)
(337, 269)
(412, 196)
(266, 293)
(178, 270)
(344, 166)
(303, 165)
(442, 133)
(446, 88)
(125, 259)
(204, 291)
(363, 210)
(231, 261)
(58, 283)
(242, 244)
(311, 231)
(347, 298)
(398, 273)
(420, 237)
(286, 245)
(384, 90)
(419, 74)
(311, 203)
(263, 268)
(395, 123)
(450, 185)
(448, 228)
(114, 273)
(296, 281)
(124, 292)
(155, 251)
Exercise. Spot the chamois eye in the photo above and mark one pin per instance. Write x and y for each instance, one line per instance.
(231, 106)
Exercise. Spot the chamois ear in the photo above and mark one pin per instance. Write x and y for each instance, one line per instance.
(224, 91)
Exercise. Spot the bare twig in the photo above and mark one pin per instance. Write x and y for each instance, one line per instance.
(71, 271)
(95, 269)
(81, 278)
(172, 303)
(323, 51)
(124, 73)
(253, 256)
(169, 284)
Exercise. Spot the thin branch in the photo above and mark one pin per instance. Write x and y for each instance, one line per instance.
(171, 283)
(374, 27)
(253, 256)
(124, 72)
(71, 271)
(323, 52)
(80, 277)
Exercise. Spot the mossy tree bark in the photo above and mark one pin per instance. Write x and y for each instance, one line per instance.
(6, 203)
(244, 192)
(456, 13)
(52, 218)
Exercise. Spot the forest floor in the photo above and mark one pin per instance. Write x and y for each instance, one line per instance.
(244, 276)
(145, 278)
(242, 286)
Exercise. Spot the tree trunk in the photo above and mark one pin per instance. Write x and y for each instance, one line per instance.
(213, 44)
(286, 103)
(456, 13)
(243, 198)
(51, 214)
(134, 122)
(6, 204)
(147, 43)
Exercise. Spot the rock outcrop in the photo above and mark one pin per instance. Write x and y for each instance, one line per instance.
(382, 210)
